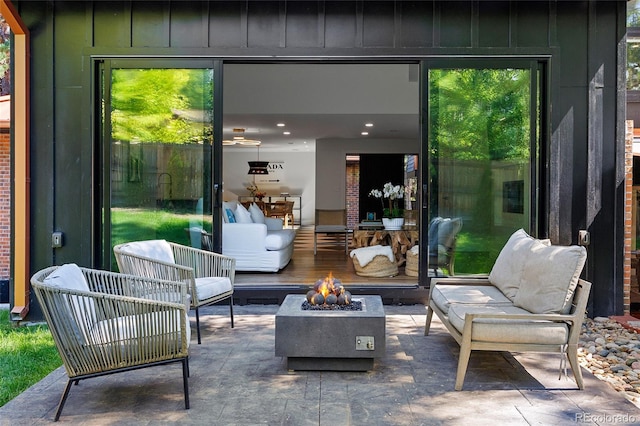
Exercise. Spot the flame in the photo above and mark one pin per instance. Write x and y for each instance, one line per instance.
(331, 288)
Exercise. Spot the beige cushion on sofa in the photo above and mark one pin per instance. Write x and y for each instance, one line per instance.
(508, 330)
(506, 273)
(444, 295)
(549, 278)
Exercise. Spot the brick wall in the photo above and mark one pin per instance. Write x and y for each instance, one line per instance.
(5, 204)
(353, 193)
(628, 217)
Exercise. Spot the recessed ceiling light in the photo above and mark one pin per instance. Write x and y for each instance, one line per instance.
(368, 125)
(364, 133)
(286, 133)
(280, 124)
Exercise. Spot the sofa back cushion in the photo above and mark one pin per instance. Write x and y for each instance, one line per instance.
(257, 216)
(549, 278)
(506, 273)
(242, 214)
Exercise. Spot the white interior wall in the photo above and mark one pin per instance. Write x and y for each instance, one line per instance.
(320, 177)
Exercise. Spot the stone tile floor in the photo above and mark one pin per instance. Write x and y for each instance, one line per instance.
(237, 380)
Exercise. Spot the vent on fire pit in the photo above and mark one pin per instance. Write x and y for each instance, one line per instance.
(330, 294)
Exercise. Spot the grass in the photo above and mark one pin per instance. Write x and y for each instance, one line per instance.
(27, 354)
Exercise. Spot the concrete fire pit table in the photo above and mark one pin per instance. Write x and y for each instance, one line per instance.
(335, 340)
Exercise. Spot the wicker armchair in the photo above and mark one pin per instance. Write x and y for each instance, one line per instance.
(104, 323)
(209, 275)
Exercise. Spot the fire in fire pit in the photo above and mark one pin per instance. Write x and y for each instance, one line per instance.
(329, 293)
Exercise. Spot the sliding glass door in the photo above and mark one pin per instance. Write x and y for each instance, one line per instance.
(483, 133)
(157, 153)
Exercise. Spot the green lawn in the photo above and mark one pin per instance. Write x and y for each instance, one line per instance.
(27, 354)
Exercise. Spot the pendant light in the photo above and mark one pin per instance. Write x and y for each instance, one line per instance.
(258, 167)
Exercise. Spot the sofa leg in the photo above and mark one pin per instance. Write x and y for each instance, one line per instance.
(463, 362)
(231, 309)
(427, 324)
(572, 354)
(198, 323)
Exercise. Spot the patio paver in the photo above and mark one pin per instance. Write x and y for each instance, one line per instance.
(236, 379)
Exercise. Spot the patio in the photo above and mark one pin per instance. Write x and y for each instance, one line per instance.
(237, 379)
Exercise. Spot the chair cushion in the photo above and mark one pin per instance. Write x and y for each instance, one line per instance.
(256, 213)
(447, 231)
(242, 214)
(279, 239)
(153, 249)
(70, 277)
(549, 278)
(506, 273)
(208, 287)
(125, 330)
(444, 295)
(433, 234)
(508, 330)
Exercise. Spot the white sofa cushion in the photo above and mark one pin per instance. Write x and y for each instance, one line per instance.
(279, 239)
(549, 278)
(256, 213)
(153, 249)
(242, 214)
(208, 287)
(506, 273)
(444, 295)
(508, 330)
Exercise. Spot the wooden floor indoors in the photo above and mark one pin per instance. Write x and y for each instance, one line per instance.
(306, 268)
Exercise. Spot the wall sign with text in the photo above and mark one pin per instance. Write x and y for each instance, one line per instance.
(276, 173)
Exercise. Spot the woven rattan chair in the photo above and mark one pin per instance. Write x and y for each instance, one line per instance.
(105, 322)
(209, 275)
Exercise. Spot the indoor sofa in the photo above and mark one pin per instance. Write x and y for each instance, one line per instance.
(533, 300)
(258, 243)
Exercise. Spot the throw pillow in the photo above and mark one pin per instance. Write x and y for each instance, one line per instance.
(549, 278)
(230, 217)
(506, 273)
(242, 214)
(256, 213)
(433, 234)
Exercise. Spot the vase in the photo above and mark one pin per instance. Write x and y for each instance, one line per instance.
(393, 224)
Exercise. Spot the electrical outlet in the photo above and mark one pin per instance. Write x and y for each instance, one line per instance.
(56, 239)
(584, 237)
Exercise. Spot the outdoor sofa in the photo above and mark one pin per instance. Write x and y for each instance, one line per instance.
(532, 301)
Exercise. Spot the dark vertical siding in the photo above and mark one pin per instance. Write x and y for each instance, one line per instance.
(340, 24)
(579, 37)
(532, 23)
(303, 24)
(416, 29)
(378, 24)
(189, 24)
(264, 24)
(494, 24)
(455, 23)
(111, 24)
(227, 28)
(150, 24)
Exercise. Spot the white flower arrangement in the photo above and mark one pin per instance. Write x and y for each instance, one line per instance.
(393, 193)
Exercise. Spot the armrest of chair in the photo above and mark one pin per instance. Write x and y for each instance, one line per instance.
(205, 263)
(458, 280)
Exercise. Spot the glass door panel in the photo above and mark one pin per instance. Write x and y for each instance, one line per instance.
(159, 127)
(482, 154)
